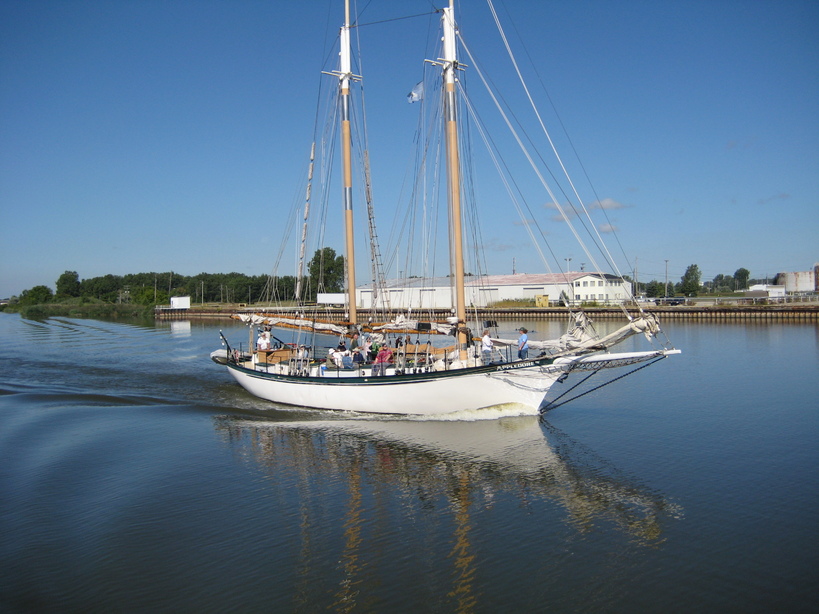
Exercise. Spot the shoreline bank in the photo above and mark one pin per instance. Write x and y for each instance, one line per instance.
(799, 312)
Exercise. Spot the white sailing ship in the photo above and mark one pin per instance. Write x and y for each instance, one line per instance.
(419, 378)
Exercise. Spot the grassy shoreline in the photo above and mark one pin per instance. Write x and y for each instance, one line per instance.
(82, 310)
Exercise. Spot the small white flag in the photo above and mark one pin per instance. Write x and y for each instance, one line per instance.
(417, 93)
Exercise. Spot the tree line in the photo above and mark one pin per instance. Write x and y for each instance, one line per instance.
(325, 274)
(691, 284)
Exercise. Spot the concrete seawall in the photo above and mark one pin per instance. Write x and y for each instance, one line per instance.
(799, 312)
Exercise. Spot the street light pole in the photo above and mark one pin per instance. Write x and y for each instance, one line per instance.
(666, 279)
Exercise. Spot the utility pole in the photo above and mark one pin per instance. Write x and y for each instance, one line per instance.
(666, 279)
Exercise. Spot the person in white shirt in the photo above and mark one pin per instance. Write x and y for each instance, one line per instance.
(486, 348)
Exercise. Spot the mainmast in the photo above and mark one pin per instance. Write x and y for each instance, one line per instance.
(345, 77)
(450, 63)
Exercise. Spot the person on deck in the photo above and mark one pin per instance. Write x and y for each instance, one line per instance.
(486, 348)
(382, 359)
(366, 349)
(400, 355)
(336, 357)
(523, 344)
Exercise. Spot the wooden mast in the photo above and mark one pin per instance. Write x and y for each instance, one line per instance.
(347, 172)
(454, 171)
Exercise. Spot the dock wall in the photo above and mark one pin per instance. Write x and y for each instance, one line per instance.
(711, 313)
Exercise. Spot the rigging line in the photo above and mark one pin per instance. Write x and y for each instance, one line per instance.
(373, 23)
(328, 147)
(297, 204)
(476, 231)
(554, 149)
(362, 146)
(429, 144)
(528, 157)
(548, 136)
(551, 406)
(504, 179)
(565, 392)
(568, 137)
(507, 177)
(404, 227)
(542, 160)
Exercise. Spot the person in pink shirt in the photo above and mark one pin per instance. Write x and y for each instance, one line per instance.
(382, 359)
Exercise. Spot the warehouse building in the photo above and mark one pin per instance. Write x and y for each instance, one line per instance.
(573, 287)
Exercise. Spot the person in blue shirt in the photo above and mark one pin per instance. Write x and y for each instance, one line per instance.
(523, 344)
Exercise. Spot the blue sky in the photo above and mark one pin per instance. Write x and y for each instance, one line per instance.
(173, 135)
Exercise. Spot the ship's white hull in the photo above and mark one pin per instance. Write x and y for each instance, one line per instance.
(422, 394)
(523, 383)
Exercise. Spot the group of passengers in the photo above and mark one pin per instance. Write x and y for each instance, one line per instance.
(374, 350)
(368, 350)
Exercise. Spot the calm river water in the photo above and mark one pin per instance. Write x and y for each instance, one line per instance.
(136, 477)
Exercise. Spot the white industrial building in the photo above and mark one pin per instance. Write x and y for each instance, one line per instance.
(578, 287)
(765, 291)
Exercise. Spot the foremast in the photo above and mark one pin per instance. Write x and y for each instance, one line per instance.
(450, 65)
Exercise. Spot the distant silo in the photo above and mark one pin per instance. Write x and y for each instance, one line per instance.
(800, 281)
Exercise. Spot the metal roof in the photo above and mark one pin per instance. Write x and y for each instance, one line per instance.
(520, 279)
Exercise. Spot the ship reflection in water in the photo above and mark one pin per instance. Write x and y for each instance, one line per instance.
(372, 493)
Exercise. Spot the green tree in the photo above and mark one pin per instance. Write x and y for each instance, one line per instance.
(690, 283)
(145, 296)
(741, 276)
(654, 288)
(36, 295)
(326, 271)
(105, 288)
(68, 285)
